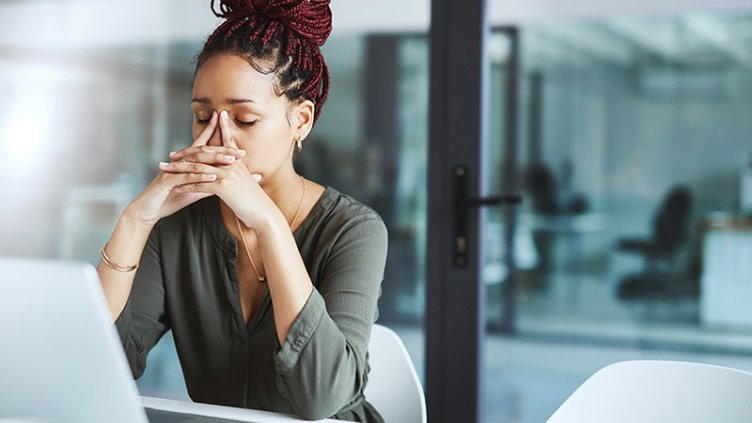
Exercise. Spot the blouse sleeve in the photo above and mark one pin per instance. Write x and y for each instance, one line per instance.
(321, 367)
(144, 320)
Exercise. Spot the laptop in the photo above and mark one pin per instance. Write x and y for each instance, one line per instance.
(61, 359)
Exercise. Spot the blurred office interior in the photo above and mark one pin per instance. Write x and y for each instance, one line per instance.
(634, 236)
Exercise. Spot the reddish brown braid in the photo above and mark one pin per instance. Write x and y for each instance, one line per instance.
(277, 36)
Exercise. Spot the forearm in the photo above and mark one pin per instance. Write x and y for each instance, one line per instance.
(320, 369)
(322, 364)
(125, 246)
(289, 282)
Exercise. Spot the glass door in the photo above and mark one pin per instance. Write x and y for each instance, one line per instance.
(632, 240)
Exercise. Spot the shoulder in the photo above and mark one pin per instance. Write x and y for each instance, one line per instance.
(349, 236)
(349, 217)
(339, 225)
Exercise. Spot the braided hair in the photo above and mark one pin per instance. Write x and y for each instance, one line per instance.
(282, 37)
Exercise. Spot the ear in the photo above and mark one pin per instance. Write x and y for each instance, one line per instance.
(302, 118)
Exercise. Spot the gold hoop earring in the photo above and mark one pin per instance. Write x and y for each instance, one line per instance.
(300, 145)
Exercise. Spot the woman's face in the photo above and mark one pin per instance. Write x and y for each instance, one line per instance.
(261, 122)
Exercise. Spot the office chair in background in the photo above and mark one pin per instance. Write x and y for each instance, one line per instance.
(648, 391)
(665, 251)
(393, 385)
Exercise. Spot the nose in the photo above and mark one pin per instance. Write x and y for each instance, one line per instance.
(216, 138)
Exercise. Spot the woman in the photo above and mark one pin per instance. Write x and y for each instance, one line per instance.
(267, 280)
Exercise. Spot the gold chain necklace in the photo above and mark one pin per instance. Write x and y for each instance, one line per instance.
(260, 278)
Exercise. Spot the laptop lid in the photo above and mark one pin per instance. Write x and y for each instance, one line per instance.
(60, 357)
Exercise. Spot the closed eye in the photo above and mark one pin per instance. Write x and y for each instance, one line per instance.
(249, 124)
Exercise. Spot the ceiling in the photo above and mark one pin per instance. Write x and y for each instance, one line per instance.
(90, 23)
(617, 32)
(682, 41)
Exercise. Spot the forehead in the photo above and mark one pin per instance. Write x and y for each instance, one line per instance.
(225, 76)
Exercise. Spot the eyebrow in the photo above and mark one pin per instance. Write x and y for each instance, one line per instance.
(204, 100)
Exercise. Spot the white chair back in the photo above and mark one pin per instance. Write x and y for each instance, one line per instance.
(393, 385)
(649, 391)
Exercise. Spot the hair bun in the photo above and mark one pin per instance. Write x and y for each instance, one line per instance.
(312, 19)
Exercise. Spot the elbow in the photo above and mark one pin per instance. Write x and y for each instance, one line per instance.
(321, 404)
(327, 402)
(319, 410)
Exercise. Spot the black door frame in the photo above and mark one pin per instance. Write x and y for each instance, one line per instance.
(455, 297)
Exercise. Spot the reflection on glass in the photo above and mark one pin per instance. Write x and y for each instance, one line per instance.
(630, 243)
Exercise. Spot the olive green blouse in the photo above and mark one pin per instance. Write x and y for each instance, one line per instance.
(187, 282)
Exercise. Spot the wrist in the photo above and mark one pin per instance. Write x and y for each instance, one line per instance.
(271, 224)
(133, 222)
(126, 243)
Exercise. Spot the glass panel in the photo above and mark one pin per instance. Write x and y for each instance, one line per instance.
(495, 271)
(84, 125)
(634, 235)
(382, 160)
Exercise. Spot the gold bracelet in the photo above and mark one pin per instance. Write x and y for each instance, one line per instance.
(114, 266)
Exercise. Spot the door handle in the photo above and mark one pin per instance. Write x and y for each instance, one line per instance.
(462, 205)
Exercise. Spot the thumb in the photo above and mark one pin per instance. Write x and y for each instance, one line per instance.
(225, 130)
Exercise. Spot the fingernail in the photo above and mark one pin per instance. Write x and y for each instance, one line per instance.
(257, 177)
(230, 158)
(210, 177)
(224, 114)
(163, 164)
(172, 153)
(241, 153)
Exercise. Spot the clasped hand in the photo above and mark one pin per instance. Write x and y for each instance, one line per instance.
(200, 171)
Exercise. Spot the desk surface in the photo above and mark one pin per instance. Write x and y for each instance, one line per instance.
(562, 223)
(221, 412)
(727, 223)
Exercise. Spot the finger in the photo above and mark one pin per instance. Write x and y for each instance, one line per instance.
(224, 129)
(178, 179)
(187, 167)
(210, 158)
(205, 135)
(208, 150)
(197, 187)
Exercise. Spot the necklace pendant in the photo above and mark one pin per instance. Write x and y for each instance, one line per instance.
(261, 279)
